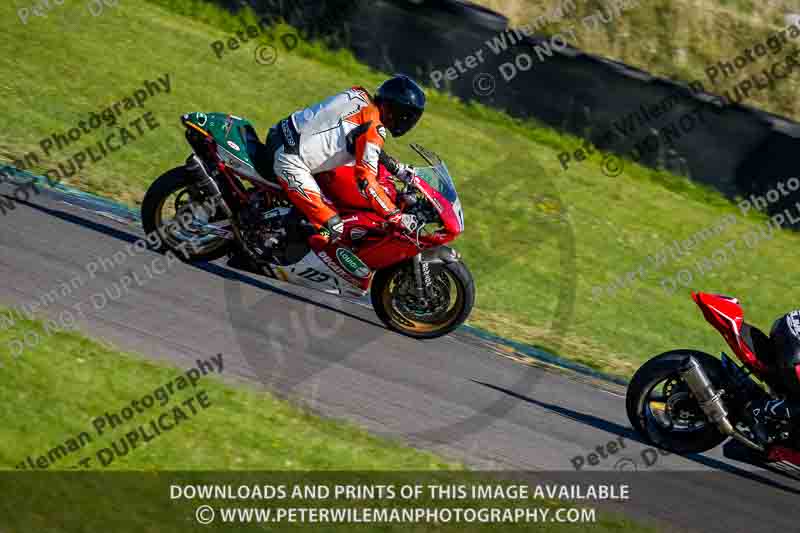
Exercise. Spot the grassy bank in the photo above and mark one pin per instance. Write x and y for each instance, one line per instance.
(67, 382)
(524, 215)
(676, 39)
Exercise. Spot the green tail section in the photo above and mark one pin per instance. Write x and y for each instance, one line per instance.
(229, 131)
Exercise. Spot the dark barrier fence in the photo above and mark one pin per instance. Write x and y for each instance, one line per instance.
(736, 149)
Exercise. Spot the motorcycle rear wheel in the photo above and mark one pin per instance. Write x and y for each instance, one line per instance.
(395, 302)
(158, 211)
(673, 420)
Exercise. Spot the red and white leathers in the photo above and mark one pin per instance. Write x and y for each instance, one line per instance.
(343, 129)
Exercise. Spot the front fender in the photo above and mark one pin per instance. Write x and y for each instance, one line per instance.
(441, 254)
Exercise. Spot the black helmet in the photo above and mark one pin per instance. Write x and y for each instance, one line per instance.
(402, 103)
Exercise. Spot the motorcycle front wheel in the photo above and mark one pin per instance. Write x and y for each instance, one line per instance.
(397, 304)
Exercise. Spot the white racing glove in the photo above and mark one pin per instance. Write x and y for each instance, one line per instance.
(405, 173)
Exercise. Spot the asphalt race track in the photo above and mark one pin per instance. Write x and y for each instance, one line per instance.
(456, 395)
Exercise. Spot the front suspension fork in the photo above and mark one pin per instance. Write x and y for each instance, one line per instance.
(422, 274)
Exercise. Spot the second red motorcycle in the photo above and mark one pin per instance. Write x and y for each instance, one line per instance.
(688, 401)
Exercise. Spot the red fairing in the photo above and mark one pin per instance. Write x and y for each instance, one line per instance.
(367, 233)
(782, 453)
(387, 252)
(726, 315)
(362, 226)
(451, 222)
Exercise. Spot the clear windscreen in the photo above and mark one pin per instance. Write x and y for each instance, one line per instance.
(439, 178)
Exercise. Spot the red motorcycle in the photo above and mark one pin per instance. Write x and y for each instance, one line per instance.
(220, 205)
(688, 401)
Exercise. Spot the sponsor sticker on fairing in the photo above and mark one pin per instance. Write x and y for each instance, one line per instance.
(358, 233)
(336, 268)
(352, 263)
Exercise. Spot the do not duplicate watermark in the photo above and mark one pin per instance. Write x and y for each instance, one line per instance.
(744, 241)
(484, 83)
(22, 192)
(163, 422)
(108, 116)
(67, 319)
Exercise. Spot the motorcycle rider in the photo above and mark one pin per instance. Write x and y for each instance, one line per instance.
(785, 339)
(348, 127)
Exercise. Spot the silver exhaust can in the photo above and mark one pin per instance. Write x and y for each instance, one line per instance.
(710, 400)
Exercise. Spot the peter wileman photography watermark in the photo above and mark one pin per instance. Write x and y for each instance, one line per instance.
(772, 45)
(60, 140)
(265, 53)
(558, 42)
(21, 193)
(484, 83)
(41, 8)
(608, 451)
(743, 241)
(265, 31)
(686, 123)
(627, 126)
(114, 141)
(103, 426)
(67, 319)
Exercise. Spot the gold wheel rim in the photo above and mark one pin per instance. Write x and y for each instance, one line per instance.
(416, 326)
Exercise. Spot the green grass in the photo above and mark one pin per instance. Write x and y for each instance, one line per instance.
(675, 38)
(523, 213)
(70, 380)
(241, 437)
